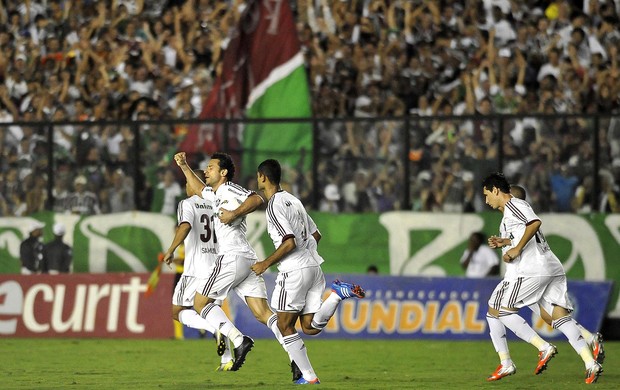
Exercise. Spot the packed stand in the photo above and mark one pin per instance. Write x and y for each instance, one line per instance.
(441, 58)
(87, 61)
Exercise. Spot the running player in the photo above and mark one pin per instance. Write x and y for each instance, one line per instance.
(540, 277)
(300, 282)
(594, 340)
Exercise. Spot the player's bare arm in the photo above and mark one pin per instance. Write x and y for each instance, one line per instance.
(250, 204)
(181, 232)
(317, 236)
(286, 247)
(194, 181)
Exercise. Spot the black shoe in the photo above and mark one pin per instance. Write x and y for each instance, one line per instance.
(220, 342)
(296, 371)
(241, 351)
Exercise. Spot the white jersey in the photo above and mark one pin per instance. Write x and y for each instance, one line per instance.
(200, 244)
(536, 258)
(231, 239)
(286, 218)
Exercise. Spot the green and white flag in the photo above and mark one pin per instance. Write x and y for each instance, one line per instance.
(263, 76)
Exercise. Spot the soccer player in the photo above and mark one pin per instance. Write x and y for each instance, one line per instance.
(300, 282)
(235, 255)
(195, 231)
(537, 277)
(594, 341)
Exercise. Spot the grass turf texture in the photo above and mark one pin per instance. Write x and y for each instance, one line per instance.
(340, 364)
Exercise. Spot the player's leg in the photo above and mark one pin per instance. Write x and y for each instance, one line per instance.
(524, 292)
(557, 294)
(594, 341)
(295, 346)
(316, 313)
(183, 302)
(497, 331)
(340, 291)
(289, 298)
(225, 274)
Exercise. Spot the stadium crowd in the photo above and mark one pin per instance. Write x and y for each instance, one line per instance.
(85, 60)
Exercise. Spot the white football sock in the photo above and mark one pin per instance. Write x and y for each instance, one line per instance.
(497, 330)
(296, 348)
(568, 326)
(189, 317)
(327, 310)
(217, 318)
(522, 329)
(272, 323)
(587, 335)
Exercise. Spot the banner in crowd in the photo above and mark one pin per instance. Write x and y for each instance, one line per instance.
(114, 305)
(262, 76)
(398, 243)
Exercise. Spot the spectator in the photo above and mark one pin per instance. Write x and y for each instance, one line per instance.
(331, 199)
(563, 185)
(608, 197)
(167, 193)
(121, 195)
(57, 256)
(478, 260)
(81, 201)
(31, 250)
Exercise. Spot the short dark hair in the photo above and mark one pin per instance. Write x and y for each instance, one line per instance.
(480, 236)
(497, 180)
(271, 168)
(517, 191)
(227, 163)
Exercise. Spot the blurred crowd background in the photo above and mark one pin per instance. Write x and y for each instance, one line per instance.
(405, 93)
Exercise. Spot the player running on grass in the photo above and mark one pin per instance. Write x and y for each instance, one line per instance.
(195, 230)
(300, 282)
(498, 330)
(538, 278)
(594, 340)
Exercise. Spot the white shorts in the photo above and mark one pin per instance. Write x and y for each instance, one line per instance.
(299, 291)
(185, 291)
(233, 272)
(526, 291)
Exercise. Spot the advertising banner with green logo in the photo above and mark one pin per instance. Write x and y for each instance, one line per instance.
(398, 243)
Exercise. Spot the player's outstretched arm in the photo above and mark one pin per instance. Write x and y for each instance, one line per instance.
(193, 180)
(250, 204)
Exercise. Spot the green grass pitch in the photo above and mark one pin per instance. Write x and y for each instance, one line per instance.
(340, 364)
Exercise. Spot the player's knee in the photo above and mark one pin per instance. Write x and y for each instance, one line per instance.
(198, 307)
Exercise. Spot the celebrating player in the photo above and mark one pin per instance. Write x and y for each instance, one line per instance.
(235, 255)
(195, 230)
